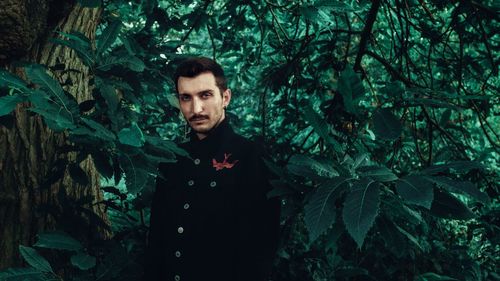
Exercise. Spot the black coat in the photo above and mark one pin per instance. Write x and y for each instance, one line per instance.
(210, 217)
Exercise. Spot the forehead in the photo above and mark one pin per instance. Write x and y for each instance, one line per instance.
(202, 82)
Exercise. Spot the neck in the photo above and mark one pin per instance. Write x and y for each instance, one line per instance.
(204, 135)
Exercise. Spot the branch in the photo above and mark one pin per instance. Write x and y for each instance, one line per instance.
(394, 73)
(367, 30)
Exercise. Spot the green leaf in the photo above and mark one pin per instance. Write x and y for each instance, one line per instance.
(360, 209)
(320, 210)
(303, 165)
(78, 174)
(378, 173)
(166, 145)
(416, 190)
(99, 130)
(81, 46)
(409, 236)
(131, 62)
(9, 80)
(108, 36)
(464, 187)
(351, 89)
(448, 206)
(24, 274)
(34, 259)
(131, 136)
(321, 128)
(56, 120)
(431, 276)
(103, 164)
(108, 92)
(386, 125)
(83, 261)
(90, 3)
(136, 177)
(58, 240)
(39, 76)
(455, 166)
(9, 103)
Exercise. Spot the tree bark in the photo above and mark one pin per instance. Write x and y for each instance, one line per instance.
(29, 151)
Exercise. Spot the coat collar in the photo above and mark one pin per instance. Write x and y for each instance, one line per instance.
(213, 141)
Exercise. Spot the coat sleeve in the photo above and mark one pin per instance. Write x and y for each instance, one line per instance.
(258, 223)
(154, 250)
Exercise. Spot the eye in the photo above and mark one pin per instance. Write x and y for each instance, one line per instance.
(184, 97)
(206, 95)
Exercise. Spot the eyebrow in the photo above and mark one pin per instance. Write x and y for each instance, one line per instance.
(210, 91)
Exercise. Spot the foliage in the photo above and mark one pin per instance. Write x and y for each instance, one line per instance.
(381, 118)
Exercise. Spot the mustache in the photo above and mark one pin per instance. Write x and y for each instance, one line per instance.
(198, 117)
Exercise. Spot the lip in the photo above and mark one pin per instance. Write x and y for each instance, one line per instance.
(199, 120)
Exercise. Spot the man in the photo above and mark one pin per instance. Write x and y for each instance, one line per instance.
(210, 217)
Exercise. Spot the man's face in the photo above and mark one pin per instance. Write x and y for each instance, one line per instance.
(201, 102)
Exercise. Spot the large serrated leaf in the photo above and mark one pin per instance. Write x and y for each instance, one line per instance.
(131, 62)
(136, 177)
(303, 165)
(351, 89)
(379, 173)
(416, 190)
(58, 240)
(83, 261)
(9, 103)
(455, 166)
(108, 36)
(33, 258)
(82, 49)
(166, 145)
(9, 80)
(320, 210)
(386, 125)
(321, 128)
(464, 187)
(17, 274)
(131, 136)
(448, 206)
(361, 208)
(39, 76)
(100, 131)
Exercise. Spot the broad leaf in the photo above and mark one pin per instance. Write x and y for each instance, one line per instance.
(99, 130)
(9, 80)
(83, 261)
(136, 177)
(103, 164)
(448, 206)
(39, 76)
(464, 187)
(305, 166)
(455, 166)
(57, 240)
(131, 62)
(131, 136)
(360, 209)
(416, 190)
(321, 128)
(33, 258)
(78, 174)
(166, 145)
(320, 210)
(90, 3)
(431, 276)
(24, 274)
(386, 125)
(9, 103)
(378, 173)
(351, 89)
(108, 36)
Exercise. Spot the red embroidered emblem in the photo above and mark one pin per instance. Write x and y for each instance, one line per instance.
(224, 164)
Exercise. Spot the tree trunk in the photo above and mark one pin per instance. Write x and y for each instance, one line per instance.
(29, 151)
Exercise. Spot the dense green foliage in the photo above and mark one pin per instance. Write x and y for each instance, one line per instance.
(380, 118)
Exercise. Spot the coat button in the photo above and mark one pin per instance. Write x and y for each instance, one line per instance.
(186, 206)
(177, 278)
(191, 182)
(180, 229)
(197, 161)
(213, 184)
(177, 254)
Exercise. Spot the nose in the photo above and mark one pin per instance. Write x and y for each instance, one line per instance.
(197, 106)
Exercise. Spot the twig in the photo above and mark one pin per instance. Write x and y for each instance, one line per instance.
(365, 35)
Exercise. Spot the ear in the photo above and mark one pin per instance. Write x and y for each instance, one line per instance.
(226, 97)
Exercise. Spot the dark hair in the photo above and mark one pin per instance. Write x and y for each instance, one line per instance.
(193, 67)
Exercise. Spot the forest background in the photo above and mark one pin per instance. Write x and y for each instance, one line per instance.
(381, 119)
